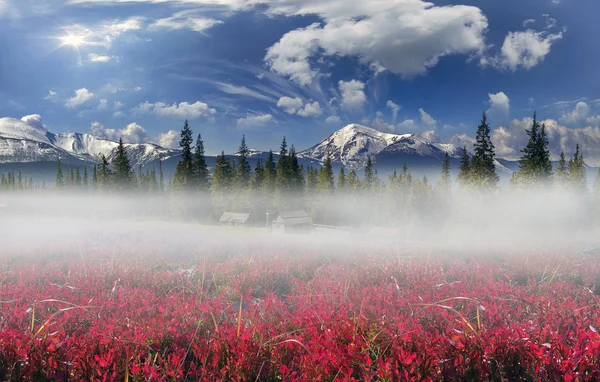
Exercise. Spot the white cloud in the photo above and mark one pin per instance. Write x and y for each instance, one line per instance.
(579, 114)
(311, 110)
(353, 95)
(395, 109)
(100, 58)
(170, 139)
(406, 37)
(290, 105)
(132, 133)
(499, 103)
(182, 110)
(408, 125)
(426, 119)
(187, 19)
(34, 120)
(380, 124)
(333, 120)
(81, 96)
(527, 22)
(52, 95)
(256, 120)
(118, 105)
(242, 90)
(103, 105)
(431, 136)
(509, 140)
(116, 27)
(523, 50)
(118, 114)
(464, 140)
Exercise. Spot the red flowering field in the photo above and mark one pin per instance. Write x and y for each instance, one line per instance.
(299, 314)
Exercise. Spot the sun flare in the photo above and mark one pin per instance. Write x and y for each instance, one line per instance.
(72, 40)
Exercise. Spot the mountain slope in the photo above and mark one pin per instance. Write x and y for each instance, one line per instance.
(21, 141)
(354, 144)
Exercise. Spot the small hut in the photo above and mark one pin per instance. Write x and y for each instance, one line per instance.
(235, 219)
(293, 221)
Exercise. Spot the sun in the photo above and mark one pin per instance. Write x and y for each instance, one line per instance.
(72, 40)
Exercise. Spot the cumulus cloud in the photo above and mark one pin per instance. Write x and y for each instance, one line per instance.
(380, 124)
(34, 120)
(406, 37)
(408, 126)
(499, 103)
(118, 105)
(509, 140)
(431, 136)
(170, 139)
(290, 105)
(311, 110)
(333, 120)
(523, 50)
(256, 120)
(81, 96)
(426, 119)
(353, 95)
(464, 140)
(395, 109)
(579, 114)
(103, 105)
(182, 110)
(132, 133)
(117, 27)
(187, 19)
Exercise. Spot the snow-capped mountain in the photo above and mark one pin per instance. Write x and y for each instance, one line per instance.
(25, 142)
(354, 144)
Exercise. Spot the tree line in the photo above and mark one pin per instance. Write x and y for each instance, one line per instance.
(282, 183)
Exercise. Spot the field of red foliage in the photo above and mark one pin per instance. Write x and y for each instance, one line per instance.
(275, 314)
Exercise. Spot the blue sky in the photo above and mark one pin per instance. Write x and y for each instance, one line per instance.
(303, 68)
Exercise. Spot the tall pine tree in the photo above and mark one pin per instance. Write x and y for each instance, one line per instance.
(122, 168)
(183, 179)
(483, 169)
(464, 175)
(244, 171)
(199, 166)
(60, 183)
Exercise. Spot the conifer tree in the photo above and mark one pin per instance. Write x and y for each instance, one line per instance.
(325, 180)
(77, 178)
(200, 168)
(535, 167)
(353, 182)
(483, 169)
(341, 181)
(104, 176)
(464, 176)
(561, 175)
(543, 155)
(20, 181)
(445, 183)
(161, 178)
(85, 177)
(370, 178)
(283, 169)
(269, 182)
(183, 179)
(122, 168)
(95, 177)
(60, 183)
(222, 175)
(71, 178)
(577, 171)
(296, 173)
(244, 171)
(259, 176)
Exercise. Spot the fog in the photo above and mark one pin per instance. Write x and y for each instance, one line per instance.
(533, 220)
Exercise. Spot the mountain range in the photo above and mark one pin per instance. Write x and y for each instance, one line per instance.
(27, 146)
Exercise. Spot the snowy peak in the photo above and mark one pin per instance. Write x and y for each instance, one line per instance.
(29, 141)
(354, 144)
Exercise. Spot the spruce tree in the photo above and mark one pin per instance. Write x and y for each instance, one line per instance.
(259, 176)
(183, 179)
(85, 177)
(543, 155)
(483, 169)
(325, 180)
(122, 168)
(464, 176)
(77, 178)
(104, 176)
(341, 181)
(270, 180)
(577, 171)
(445, 183)
(535, 167)
(161, 178)
(60, 183)
(283, 169)
(369, 181)
(244, 171)
(95, 177)
(296, 173)
(201, 172)
(561, 175)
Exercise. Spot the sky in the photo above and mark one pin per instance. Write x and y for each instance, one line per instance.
(304, 68)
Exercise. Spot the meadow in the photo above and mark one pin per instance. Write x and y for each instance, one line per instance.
(242, 306)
